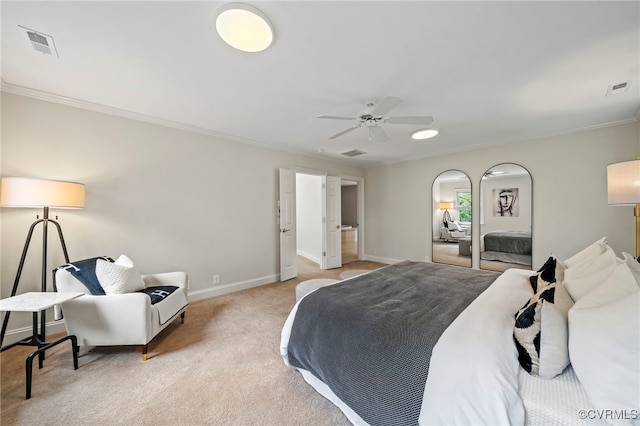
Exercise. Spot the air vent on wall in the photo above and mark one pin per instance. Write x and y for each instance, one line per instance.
(353, 153)
(41, 42)
(615, 89)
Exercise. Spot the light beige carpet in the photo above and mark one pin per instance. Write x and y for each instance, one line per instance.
(221, 367)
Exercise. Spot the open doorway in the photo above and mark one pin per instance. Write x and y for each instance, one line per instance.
(309, 218)
(350, 228)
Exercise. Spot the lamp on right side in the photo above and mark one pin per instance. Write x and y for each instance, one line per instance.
(623, 189)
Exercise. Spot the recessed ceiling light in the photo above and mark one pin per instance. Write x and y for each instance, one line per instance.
(424, 134)
(244, 27)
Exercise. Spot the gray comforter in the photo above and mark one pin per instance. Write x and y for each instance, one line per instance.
(370, 338)
(516, 242)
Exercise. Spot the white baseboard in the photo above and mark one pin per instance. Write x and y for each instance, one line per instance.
(312, 258)
(219, 290)
(379, 259)
(12, 336)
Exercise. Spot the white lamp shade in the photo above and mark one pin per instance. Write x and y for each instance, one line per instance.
(244, 27)
(623, 183)
(444, 205)
(28, 192)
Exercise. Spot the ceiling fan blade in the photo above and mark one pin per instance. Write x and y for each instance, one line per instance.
(409, 120)
(337, 135)
(379, 134)
(336, 117)
(386, 105)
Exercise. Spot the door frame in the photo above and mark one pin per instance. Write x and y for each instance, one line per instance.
(360, 202)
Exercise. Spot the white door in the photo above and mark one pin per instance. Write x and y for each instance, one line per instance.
(332, 214)
(287, 220)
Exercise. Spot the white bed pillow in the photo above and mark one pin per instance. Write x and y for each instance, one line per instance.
(589, 252)
(580, 279)
(604, 347)
(119, 277)
(633, 265)
(619, 283)
(593, 264)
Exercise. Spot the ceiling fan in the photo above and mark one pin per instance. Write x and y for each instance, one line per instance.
(375, 116)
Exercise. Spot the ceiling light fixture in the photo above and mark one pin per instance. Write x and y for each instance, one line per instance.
(424, 134)
(244, 27)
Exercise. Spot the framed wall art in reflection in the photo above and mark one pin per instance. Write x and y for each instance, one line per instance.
(506, 202)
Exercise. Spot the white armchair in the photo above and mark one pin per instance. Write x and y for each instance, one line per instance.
(121, 319)
(453, 232)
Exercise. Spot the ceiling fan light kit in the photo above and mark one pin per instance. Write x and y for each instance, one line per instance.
(244, 27)
(376, 116)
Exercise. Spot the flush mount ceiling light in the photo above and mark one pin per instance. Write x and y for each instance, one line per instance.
(244, 27)
(424, 134)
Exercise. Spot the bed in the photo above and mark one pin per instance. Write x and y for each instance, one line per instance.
(384, 353)
(506, 246)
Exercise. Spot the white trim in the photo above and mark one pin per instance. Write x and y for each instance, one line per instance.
(123, 113)
(220, 290)
(17, 334)
(308, 256)
(379, 259)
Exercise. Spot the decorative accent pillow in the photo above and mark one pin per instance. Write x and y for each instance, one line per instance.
(604, 345)
(589, 252)
(546, 275)
(119, 277)
(541, 334)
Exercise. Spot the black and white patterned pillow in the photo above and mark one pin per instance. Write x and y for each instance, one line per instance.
(541, 334)
(545, 275)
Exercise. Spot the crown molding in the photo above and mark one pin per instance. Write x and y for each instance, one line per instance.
(105, 109)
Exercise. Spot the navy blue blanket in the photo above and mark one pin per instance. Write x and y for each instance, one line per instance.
(85, 272)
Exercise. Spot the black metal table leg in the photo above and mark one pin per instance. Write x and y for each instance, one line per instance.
(40, 351)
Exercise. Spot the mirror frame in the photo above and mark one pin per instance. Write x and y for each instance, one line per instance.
(437, 220)
(513, 224)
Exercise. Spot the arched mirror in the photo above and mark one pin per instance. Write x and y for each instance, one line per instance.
(505, 218)
(451, 198)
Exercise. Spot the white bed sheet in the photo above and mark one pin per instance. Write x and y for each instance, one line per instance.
(557, 402)
(473, 373)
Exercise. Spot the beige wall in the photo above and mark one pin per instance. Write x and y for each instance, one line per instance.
(569, 194)
(177, 200)
(168, 198)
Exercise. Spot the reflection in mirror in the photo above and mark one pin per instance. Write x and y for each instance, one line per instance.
(505, 218)
(451, 198)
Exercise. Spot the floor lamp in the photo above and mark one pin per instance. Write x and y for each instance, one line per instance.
(45, 194)
(445, 205)
(623, 188)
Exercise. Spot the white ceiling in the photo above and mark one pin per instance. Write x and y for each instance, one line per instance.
(488, 72)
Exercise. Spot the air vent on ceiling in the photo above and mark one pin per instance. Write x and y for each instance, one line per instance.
(41, 42)
(615, 89)
(353, 153)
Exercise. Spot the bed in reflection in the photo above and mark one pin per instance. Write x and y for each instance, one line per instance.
(506, 246)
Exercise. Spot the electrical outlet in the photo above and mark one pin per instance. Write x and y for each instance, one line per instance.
(188, 284)
(216, 279)
(426, 259)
